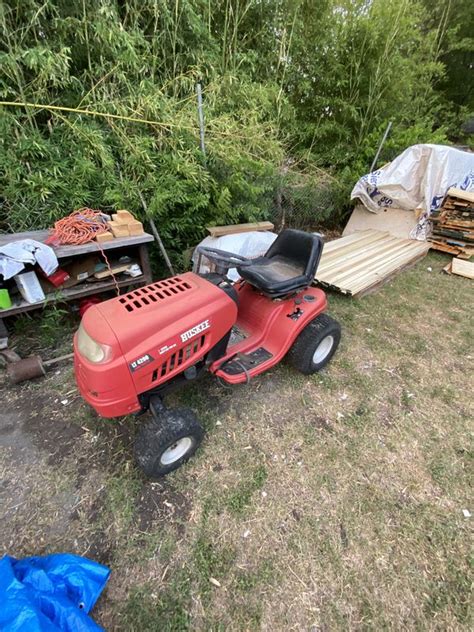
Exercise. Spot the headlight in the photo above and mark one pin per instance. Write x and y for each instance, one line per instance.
(89, 348)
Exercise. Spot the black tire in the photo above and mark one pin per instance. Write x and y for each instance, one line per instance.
(176, 429)
(302, 352)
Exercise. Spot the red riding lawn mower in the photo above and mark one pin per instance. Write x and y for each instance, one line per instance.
(132, 350)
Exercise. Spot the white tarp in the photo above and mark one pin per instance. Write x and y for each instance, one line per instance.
(419, 178)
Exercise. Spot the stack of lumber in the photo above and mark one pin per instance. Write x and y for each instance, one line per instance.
(453, 224)
(360, 263)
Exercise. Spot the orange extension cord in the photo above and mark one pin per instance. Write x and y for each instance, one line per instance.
(79, 228)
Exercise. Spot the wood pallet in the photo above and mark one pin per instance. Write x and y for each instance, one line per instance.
(360, 263)
(453, 224)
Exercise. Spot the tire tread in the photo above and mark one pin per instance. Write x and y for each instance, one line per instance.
(301, 352)
(160, 432)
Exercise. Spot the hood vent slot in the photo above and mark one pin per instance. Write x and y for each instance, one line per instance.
(178, 358)
(154, 293)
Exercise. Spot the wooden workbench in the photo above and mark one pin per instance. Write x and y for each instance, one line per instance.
(69, 252)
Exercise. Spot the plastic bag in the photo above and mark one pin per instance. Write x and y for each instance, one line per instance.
(252, 244)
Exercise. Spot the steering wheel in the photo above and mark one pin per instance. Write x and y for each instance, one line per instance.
(220, 257)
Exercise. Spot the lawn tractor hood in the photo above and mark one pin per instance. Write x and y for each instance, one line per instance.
(133, 343)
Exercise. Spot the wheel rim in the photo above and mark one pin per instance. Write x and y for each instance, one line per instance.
(323, 349)
(176, 451)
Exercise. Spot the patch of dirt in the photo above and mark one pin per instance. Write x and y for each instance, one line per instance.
(36, 420)
(158, 503)
(362, 482)
(99, 548)
(321, 423)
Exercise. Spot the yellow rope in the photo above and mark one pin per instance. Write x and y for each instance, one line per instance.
(61, 108)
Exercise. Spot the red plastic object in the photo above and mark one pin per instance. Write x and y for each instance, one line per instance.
(57, 278)
(85, 303)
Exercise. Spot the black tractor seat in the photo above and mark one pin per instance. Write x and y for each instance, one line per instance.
(288, 266)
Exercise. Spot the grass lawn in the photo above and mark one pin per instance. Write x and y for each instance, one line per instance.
(330, 502)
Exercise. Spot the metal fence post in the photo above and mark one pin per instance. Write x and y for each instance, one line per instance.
(201, 121)
(384, 138)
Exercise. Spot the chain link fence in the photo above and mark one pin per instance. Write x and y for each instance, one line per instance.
(306, 200)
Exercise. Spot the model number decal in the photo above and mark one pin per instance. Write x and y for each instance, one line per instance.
(194, 331)
(166, 348)
(139, 362)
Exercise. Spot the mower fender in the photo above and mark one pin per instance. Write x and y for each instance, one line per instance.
(107, 386)
(272, 325)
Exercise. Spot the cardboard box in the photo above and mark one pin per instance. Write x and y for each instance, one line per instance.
(80, 270)
(101, 237)
(135, 227)
(125, 216)
(119, 230)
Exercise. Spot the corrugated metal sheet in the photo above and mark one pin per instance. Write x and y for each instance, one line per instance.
(358, 263)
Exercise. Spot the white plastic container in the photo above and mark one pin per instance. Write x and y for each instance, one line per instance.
(30, 287)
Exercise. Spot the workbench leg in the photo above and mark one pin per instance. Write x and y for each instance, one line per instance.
(145, 263)
(3, 335)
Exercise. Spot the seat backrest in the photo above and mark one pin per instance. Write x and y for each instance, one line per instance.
(304, 249)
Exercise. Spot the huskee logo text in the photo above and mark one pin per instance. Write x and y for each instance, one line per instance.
(194, 331)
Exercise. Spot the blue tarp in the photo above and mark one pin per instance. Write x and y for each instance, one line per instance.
(50, 594)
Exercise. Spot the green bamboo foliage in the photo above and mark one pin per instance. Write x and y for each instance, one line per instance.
(286, 82)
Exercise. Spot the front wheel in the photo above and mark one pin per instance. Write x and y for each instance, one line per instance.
(315, 345)
(169, 439)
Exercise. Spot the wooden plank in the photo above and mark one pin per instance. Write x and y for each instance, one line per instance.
(365, 274)
(342, 242)
(335, 262)
(70, 294)
(366, 259)
(463, 195)
(395, 264)
(361, 259)
(342, 250)
(455, 234)
(436, 245)
(462, 268)
(363, 268)
(103, 274)
(389, 277)
(71, 251)
(233, 229)
(397, 221)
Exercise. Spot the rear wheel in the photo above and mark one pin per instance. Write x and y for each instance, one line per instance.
(169, 439)
(315, 345)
